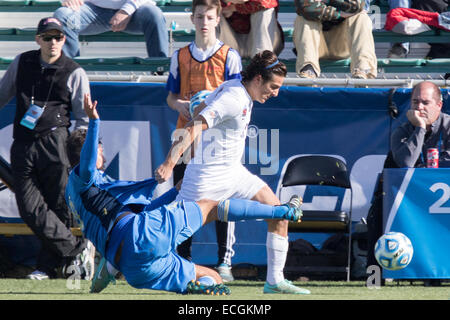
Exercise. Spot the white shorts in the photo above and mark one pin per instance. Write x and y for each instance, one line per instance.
(238, 183)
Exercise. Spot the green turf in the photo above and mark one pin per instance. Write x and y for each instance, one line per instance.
(22, 289)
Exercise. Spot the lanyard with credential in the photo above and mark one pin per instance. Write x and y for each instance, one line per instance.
(34, 112)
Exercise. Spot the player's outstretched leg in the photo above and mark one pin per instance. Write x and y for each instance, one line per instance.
(101, 277)
(238, 209)
(241, 209)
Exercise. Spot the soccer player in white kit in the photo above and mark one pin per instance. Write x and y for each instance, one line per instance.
(216, 171)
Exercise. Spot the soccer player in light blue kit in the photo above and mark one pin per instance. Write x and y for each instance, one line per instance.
(138, 236)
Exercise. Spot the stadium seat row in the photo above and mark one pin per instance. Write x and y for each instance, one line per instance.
(162, 64)
(165, 5)
(180, 35)
(186, 35)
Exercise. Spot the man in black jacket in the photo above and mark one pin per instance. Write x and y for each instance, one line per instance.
(47, 86)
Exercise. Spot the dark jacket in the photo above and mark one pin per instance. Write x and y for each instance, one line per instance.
(48, 85)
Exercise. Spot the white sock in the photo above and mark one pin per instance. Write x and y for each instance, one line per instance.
(277, 248)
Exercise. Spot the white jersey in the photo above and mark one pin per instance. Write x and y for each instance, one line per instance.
(227, 113)
(216, 170)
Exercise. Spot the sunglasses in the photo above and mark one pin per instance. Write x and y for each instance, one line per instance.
(58, 38)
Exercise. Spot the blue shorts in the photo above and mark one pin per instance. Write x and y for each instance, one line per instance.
(149, 259)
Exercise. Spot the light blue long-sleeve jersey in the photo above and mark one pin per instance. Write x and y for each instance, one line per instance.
(95, 199)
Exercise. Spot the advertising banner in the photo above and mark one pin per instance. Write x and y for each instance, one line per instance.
(418, 205)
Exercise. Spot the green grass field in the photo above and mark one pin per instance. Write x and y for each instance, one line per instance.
(22, 289)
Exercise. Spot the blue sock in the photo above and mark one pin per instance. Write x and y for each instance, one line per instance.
(241, 209)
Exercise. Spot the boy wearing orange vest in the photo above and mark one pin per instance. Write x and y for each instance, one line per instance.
(203, 65)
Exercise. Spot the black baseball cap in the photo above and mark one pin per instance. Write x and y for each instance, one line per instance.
(49, 23)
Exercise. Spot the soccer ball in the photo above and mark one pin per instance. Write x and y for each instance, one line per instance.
(393, 251)
(196, 99)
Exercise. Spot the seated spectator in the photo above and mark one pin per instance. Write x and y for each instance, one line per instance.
(437, 50)
(251, 26)
(399, 50)
(427, 127)
(334, 30)
(98, 16)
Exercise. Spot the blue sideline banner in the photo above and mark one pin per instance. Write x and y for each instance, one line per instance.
(351, 123)
(417, 204)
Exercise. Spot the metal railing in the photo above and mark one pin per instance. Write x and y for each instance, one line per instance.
(339, 80)
(289, 81)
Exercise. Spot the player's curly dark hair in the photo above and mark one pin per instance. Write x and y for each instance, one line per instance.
(74, 144)
(266, 64)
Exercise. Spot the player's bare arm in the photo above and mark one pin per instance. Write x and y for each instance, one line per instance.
(190, 132)
(181, 106)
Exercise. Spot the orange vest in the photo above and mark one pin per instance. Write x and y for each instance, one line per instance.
(196, 76)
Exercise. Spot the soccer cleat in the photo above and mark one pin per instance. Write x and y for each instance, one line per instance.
(284, 287)
(294, 213)
(101, 278)
(224, 271)
(38, 275)
(196, 287)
